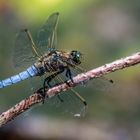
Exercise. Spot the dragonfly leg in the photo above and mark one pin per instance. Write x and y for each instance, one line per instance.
(69, 74)
(41, 92)
(48, 79)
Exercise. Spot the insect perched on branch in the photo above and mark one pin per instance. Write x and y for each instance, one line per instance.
(42, 58)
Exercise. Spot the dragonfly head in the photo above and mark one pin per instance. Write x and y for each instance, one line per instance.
(76, 56)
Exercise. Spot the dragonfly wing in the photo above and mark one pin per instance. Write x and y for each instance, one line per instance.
(46, 37)
(23, 54)
(66, 104)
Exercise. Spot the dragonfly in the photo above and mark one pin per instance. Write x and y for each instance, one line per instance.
(43, 56)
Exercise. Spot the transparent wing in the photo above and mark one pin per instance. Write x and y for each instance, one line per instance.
(24, 54)
(101, 83)
(68, 107)
(67, 103)
(46, 37)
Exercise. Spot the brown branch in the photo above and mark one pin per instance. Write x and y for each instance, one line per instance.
(80, 78)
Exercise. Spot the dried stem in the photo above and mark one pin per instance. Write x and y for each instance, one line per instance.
(80, 78)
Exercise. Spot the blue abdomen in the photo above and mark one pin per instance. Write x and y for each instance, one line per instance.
(30, 72)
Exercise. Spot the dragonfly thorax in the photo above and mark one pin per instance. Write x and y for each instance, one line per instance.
(50, 62)
(57, 60)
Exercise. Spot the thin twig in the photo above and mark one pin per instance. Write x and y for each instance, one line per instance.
(80, 78)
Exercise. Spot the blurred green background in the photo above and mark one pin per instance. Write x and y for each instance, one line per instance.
(103, 31)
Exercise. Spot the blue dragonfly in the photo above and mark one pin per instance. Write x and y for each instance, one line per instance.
(42, 57)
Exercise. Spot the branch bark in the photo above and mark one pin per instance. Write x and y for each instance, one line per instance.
(36, 98)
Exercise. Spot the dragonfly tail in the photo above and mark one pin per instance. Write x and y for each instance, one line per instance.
(30, 72)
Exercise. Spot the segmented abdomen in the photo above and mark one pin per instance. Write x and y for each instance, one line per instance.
(30, 72)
